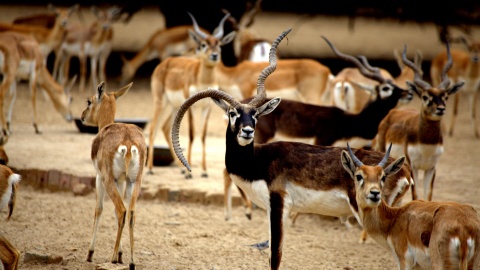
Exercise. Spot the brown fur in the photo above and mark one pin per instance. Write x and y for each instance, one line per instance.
(418, 225)
(464, 69)
(16, 47)
(106, 155)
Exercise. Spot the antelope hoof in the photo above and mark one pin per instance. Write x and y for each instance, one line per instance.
(90, 255)
(120, 260)
(205, 175)
(131, 266)
(183, 171)
(188, 176)
(150, 172)
(249, 216)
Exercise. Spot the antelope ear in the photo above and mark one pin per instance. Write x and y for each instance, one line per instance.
(122, 90)
(228, 38)
(455, 88)
(395, 166)
(222, 104)
(347, 163)
(413, 87)
(269, 106)
(100, 90)
(367, 87)
(194, 36)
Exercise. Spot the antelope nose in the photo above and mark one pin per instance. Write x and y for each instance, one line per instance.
(374, 195)
(214, 57)
(248, 131)
(441, 110)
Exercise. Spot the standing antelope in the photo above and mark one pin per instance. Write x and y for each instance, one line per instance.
(174, 41)
(420, 234)
(118, 155)
(48, 38)
(92, 42)
(297, 120)
(20, 58)
(9, 255)
(466, 68)
(282, 176)
(417, 134)
(176, 78)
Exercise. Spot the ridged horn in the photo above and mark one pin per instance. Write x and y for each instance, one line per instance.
(417, 79)
(218, 33)
(357, 162)
(384, 160)
(445, 80)
(261, 95)
(210, 93)
(197, 29)
(367, 71)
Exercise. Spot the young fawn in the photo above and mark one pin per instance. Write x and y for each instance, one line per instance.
(420, 234)
(118, 155)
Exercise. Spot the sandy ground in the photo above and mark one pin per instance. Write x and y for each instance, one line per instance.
(186, 236)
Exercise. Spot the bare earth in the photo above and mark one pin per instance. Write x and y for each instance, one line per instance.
(186, 236)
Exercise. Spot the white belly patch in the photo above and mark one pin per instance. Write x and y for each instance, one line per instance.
(424, 156)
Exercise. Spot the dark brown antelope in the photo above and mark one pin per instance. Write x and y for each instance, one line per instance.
(419, 234)
(282, 176)
(417, 134)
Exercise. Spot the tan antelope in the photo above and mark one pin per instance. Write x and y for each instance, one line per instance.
(352, 91)
(49, 39)
(92, 42)
(174, 41)
(9, 181)
(118, 155)
(293, 120)
(21, 59)
(420, 234)
(281, 177)
(176, 78)
(248, 45)
(466, 68)
(417, 134)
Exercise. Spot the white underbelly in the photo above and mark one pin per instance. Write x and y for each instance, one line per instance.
(256, 191)
(355, 142)
(25, 69)
(424, 156)
(420, 257)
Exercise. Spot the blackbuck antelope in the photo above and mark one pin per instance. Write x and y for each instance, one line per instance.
(93, 42)
(118, 155)
(248, 45)
(9, 181)
(420, 234)
(351, 91)
(174, 41)
(296, 120)
(417, 134)
(176, 78)
(282, 176)
(48, 38)
(21, 59)
(466, 68)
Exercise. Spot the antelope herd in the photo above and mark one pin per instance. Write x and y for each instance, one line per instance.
(270, 103)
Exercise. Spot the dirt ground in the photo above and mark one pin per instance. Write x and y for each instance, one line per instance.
(186, 236)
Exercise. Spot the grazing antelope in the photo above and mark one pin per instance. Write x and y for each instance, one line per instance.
(176, 78)
(417, 134)
(281, 176)
(49, 39)
(351, 91)
(94, 42)
(248, 45)
(174, 41)
(21, 59)
(297, 120)
(118, 155)
(420, 234)
(466, 68)
(9, 255)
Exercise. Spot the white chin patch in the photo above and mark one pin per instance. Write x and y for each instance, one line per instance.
(242, 141)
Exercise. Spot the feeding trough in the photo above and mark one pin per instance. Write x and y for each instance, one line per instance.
(140, 122)
(161, 155)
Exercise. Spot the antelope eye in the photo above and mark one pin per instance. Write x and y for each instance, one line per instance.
(384, 178)
(203, 45)
(385, 88)
(359, 177)
(232, 114)
(425, 98)
(89, 102)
